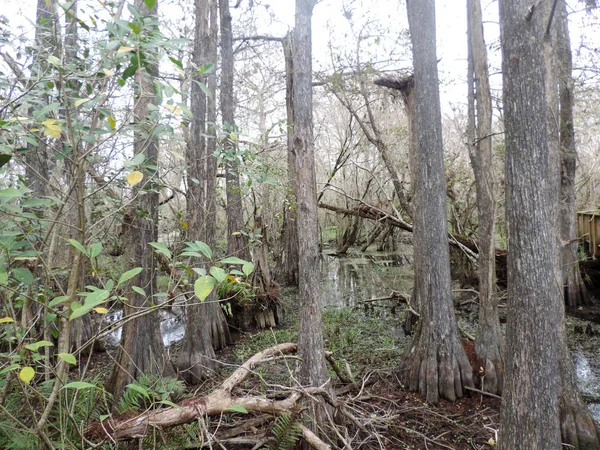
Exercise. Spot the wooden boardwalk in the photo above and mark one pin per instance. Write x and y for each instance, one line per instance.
(588, 231)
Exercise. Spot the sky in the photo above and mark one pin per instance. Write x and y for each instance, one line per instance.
(388, 17)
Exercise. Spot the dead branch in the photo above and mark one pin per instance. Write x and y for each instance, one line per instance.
(123, 428)
(343, 376)
(400, 296)
(219, 401)
(373, 213)
(479, 391)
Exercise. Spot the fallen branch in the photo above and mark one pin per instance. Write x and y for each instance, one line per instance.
(400, 296)
(479, 391)
(123, 428)
(218, 402)
(366, 211)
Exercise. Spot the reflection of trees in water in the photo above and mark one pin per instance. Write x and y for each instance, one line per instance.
(347, 281)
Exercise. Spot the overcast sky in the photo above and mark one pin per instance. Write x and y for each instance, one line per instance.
(388, 16)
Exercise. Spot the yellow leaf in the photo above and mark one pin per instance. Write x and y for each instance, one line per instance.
(125, 49)
(7, 320)
(232, 278)
(54, 60)
(176, 154)
(135, 177)
(100, 310)
(491, 442)
(112, 122)
(185, 225)
(174, 109)
(233, 137)
(108, 73)
(80, 102)
(53, 128)
(26, 374)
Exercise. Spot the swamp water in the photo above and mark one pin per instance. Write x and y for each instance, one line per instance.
(354, 279)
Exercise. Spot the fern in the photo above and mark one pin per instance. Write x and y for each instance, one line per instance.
(286, 433)
(150, 390)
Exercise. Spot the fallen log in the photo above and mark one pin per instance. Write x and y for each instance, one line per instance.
(370, 212)
(125, 427)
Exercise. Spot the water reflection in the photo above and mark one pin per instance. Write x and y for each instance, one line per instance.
(348, 280)
(172, 326)
(588, 381)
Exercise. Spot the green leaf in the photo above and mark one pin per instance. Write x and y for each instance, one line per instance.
(4, 159)
(79, 385)
(78, 246)
(9, 194)
(169, 403)
(92, 300)
(139, 290)
(36, 202)
(248, 268)
(137, 388)
(176, 62)
(207, 68)
(129, 72)
(94, 249)
(35, 346)
(23, 275)
(110, 284)
(204, 89)
(162, 248)
(135, 28)
(3, 277)
(128, 275)
(9, 368)
(58, 300)
(54, 61)
(204, 248)
(26, 374)
(204, 286)
(136, 161)
(218, 273)
(196, 254)
(233, 260)
(200, 271)
(237, 408)
(68, 358)
(150, 3)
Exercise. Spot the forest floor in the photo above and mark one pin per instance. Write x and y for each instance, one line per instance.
(380, 413)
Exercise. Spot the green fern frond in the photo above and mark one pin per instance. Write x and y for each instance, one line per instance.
(286, 433)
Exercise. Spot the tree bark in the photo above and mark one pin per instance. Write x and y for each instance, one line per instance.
(436, 364)
(142, 349)
(576, 422)
(575, 291)
(289, 255)
(489, 346)
(237, 240)
(529, 414)
(206, 326)
(313, 371)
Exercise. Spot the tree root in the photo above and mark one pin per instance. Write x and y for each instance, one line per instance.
(578, 428)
